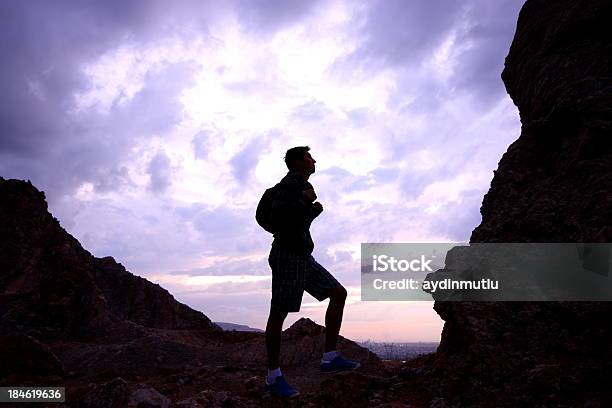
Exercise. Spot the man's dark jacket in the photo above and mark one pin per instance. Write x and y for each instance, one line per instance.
(292, 215)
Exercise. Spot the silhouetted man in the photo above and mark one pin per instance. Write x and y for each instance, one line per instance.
(294, 269)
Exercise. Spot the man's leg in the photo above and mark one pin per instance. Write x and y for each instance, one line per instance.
(322, 285)
(333, 317)
(275, 382)
(274, 328)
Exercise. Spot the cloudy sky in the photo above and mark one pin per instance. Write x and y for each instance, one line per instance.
(153, 127)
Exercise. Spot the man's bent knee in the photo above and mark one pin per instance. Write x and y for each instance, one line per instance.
(337, 294)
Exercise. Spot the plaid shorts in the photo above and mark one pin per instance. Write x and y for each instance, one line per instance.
(292, 274)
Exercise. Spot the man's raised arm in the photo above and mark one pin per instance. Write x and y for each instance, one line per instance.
(292, 208)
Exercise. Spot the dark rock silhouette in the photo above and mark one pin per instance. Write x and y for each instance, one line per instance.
(552, 185)
(54, 289)
(24, 357)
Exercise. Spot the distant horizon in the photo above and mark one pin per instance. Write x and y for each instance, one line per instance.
(259, 330)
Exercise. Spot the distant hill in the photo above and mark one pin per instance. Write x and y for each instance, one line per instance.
(399, 351)
(237, 327)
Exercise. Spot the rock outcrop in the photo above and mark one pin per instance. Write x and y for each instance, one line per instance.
(25, 358)
(552, 185)
(51, 288)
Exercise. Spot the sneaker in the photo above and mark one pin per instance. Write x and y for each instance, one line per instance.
(280, 388)
(338, 364)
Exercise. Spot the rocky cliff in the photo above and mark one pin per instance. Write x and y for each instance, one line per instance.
(51, 288)
(552, 185)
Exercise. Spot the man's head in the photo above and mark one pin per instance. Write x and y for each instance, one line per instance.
(298, 158)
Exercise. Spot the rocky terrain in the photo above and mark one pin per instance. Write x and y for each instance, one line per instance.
(552, 185)
(114, 339)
